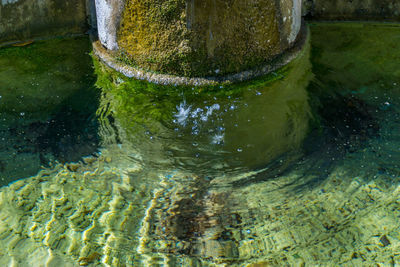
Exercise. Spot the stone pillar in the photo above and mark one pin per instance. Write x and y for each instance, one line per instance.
(108, 14)
(222, 39)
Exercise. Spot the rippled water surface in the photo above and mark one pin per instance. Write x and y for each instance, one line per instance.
(298, 167)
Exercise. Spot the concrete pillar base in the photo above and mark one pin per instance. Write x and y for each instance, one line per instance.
(110, 58)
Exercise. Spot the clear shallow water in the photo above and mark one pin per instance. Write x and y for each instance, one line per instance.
(47, 106)
(303, 169)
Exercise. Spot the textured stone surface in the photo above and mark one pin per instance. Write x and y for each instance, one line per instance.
(108, 19)
(26, 19)
(199, 38)
(129, 71)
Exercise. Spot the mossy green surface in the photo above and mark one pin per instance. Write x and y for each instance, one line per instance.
(199, 39)
(164, 119)
(148, 101)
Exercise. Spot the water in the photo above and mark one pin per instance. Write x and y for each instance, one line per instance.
(46, 107)
(300, 167)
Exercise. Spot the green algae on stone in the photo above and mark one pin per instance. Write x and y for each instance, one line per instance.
(202, 38)
(87, 215)
(152, 33)
(149, 101)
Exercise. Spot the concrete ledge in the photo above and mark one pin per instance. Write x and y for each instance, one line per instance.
(109, 58)
(22, 20)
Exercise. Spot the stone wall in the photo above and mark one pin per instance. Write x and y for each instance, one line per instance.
(386, 10)
(26, 19)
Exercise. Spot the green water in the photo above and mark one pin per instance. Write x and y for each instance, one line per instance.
(47, 106)
(297, 168)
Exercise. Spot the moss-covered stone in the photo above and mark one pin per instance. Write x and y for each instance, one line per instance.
(204, 38)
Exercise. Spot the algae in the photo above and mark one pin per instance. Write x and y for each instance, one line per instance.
(152, 101)
(215, 38)
(210, 118)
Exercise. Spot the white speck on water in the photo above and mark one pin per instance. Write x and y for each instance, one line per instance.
(196, 112)
(212, 108)
(183, 112)
(218, 139)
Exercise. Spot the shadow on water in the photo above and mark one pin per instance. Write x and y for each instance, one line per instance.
(47, 107)
(349, 75)
(343, 125)
(72, 133)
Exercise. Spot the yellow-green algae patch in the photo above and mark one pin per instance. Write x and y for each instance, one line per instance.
(146, 101)
(200, 38)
